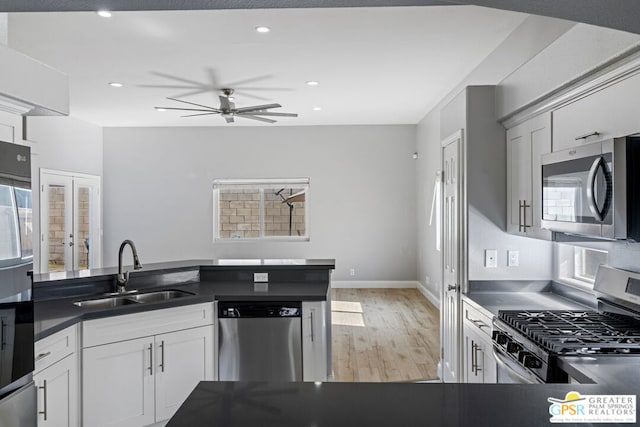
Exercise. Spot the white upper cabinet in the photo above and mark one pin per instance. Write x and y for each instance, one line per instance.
(610, 112)
(525, 144)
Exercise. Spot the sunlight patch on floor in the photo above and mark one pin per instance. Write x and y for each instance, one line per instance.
(347, 306)
(347, 319)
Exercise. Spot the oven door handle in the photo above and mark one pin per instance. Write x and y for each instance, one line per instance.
(510, 371)
(591, 194)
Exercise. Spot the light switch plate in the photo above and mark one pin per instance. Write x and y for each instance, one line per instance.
(513, 258)
(491, 258)
(260, 277)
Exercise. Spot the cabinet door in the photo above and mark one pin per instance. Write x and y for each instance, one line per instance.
(473, 358)
(314, 341)
(118, 384)
(183, 359)
(57, 388)
(525, 144)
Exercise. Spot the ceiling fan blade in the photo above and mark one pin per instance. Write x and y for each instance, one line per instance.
(176, 78)
(210, 110)
(239, 83)
(228, 119)
(257, 108)
(267, 113)
(224, 102)
(193, 103)
(260, 119)
(200, 114)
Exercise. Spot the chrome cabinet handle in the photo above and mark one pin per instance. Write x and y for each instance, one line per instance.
(479, 323)
(42, 356)
(473, 355)
(519, 215)
(150, 359)
(477, 365)
(524, 215)
(162, 355)
(43, 387)
(312, 326)
(587, 135)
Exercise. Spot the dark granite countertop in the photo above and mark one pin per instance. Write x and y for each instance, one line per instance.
(603, 369)
(309, 404)
(229, 282)
(494, 296)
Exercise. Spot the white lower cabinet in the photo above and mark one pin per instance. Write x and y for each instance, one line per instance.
(57, 389)
(184, 359)
(315, 360)
(142, 381)
(56, 379)
(479, 364)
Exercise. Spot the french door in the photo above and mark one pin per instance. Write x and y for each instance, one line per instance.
(69, 221)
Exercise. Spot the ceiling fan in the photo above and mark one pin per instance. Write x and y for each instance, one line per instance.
(229, 111)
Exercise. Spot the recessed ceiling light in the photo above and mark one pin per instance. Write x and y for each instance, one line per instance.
(317, 108)
(161, 109)
(263, 29)
(312, 83)
(115, 84)
(104, 13)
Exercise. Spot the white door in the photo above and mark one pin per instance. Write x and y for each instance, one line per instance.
(452, 246)
(58, 394)
(69, 221)
(183, 359)
(118, 384)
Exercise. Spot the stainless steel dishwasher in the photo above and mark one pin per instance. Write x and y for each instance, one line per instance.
(259, 341)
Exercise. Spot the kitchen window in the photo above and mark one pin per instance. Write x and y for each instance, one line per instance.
(578, 265)
(268, 209)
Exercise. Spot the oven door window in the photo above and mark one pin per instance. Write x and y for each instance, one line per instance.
(578, 190)
(9, 229)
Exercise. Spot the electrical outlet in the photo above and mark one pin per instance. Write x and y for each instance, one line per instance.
(513, 258)
(491, 258)
(260, 277)
(352, 272)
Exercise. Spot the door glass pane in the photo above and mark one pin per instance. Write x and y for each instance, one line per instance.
(9, 234)
(25, 217)
(83, 241)
(284, 211)
(57, 233)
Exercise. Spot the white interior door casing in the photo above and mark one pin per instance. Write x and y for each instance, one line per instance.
(70, 221)
(453, 245)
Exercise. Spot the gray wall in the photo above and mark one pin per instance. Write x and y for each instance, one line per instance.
(61, 143)
(362, 208)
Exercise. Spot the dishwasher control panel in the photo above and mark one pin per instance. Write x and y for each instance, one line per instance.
(243, 309)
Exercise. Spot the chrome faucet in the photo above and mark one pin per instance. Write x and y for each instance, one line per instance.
(122, 279)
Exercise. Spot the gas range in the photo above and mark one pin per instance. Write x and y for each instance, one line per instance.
(528, 343)
(535, 339)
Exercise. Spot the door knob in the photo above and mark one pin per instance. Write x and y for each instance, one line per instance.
(452, 287)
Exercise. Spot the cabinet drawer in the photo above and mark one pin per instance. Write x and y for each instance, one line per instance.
(55, 347)
(131, 326)
(609, 112)
(479, 320)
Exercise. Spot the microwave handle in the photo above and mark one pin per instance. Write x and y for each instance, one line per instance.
(591, 195)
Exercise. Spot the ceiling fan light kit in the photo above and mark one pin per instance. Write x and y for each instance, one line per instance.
(228, 109)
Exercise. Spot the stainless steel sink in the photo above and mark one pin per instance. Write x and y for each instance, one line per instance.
(159, 296)
(132, 299)
(109, 302)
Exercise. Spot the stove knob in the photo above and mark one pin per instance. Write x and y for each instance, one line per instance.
(514, 347)
(500, 337)
(531, 361)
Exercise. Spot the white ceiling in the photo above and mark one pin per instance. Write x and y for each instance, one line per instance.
(374, 65)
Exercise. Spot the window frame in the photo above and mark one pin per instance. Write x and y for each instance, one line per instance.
(259, 184)
(570, 263)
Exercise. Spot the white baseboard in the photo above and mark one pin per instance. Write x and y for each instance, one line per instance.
(428, 295)
(378, 284)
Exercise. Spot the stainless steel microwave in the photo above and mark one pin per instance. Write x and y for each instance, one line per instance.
(594, 189)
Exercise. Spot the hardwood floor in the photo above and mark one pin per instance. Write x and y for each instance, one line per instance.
(382, 335)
